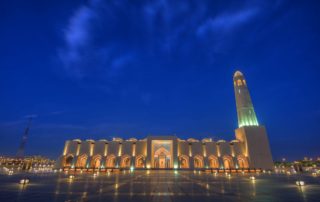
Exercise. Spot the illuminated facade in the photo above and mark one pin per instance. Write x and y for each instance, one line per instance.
(250, 149)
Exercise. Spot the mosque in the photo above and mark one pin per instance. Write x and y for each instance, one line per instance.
(248, 151)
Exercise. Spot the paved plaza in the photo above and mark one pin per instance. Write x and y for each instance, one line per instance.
(159, 186)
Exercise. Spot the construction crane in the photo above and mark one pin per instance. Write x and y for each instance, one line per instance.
(20, 153)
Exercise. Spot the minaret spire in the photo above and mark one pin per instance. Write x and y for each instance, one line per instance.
(245, 110)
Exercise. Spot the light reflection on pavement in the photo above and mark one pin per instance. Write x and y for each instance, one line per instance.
(158, 186)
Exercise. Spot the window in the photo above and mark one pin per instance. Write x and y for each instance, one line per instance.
(239, 82)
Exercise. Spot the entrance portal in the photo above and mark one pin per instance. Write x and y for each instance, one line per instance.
(162, 161)
(162, 158)
(162, 154)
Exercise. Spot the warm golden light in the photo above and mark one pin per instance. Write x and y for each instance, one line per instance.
(134, 149)
(190, 150)
(78, 149)
(105, 153)
(120, 149)
(204, 150)
(66, 148)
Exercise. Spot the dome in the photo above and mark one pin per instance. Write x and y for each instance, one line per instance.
(117, 139)
(237, 73)
(206, 140)
(192, 140)
(220, 141)
(132, 139)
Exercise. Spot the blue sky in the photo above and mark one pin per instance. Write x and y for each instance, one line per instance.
(98, 69)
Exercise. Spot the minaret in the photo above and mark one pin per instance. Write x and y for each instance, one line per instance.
(250, 133)
(245, 110)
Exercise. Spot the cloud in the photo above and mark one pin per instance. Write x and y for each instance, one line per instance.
(104, 40)
(227, 22)
(77, 33)
(82, 56)
(120, 62)
(76, 37)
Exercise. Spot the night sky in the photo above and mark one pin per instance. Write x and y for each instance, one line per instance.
(112, 68)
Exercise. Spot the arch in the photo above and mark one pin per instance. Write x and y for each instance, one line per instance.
(162, 158)
(82, 161)
(111, 161)
(96, 161)
(198, 161)
(67, 160)
(227, 162)
(213, 161)
(239, 82)
(140, 161)
(242, 162)
(125, 161)
(162, 151)
(184, 161)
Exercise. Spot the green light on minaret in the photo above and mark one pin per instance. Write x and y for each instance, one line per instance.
(245, 110)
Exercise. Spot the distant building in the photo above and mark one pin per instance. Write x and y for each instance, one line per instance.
(250, 149)
(27, 163)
